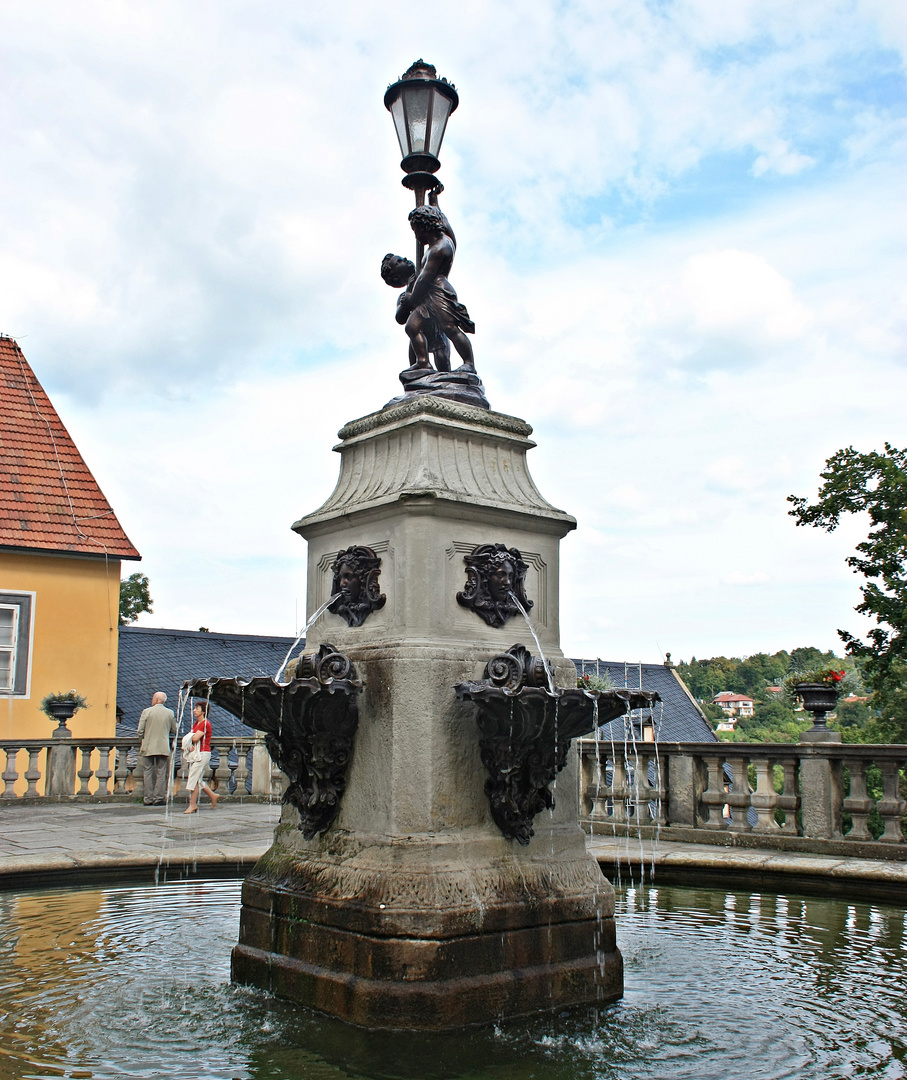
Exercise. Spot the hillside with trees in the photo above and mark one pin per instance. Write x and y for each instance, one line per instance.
(775, 718)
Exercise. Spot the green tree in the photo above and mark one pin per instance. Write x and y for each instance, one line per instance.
(772, 722)
(134, 598)
(876, 484)
(713, 711)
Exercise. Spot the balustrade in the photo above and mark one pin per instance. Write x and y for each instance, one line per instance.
(755, 790)
(117, 761)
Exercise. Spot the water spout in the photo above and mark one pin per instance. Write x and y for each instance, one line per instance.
(538, 644)
(304, 632)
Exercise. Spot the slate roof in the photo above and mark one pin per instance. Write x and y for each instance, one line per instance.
(49, 501)
(677, 718)
(152, 660)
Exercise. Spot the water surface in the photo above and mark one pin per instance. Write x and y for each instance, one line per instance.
(133, 981)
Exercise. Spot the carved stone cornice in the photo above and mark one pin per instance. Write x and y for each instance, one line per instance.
(437, 449)
(434, 406)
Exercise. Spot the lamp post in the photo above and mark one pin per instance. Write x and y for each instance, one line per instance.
(420, 104)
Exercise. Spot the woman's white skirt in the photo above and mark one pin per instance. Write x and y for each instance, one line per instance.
(197, 769)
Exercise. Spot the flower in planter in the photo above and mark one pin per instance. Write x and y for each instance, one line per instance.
(598, 683)
(70, 697)
(835, 680)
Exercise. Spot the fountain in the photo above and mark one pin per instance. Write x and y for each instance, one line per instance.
(428, 872)
(403, 889)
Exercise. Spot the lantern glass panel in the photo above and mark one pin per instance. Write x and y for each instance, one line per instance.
(417, 99)
(439, 113)
(400, 125)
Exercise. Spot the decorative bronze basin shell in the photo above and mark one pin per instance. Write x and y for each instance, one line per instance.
(526, 730)
(309, 724)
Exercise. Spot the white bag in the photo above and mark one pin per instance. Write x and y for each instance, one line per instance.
(191, 750)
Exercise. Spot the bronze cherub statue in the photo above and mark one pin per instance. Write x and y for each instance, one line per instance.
(430, 312)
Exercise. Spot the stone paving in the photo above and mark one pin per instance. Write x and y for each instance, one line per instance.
(38, 842)
(47, 839)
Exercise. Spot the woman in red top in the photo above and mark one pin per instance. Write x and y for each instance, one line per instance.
(201, 737)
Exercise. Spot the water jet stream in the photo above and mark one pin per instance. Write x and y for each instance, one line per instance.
(538, 644)
(304, 632)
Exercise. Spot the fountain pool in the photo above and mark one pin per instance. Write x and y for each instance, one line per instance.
(133, 981)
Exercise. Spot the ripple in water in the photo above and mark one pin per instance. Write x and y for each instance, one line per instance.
(126, 982)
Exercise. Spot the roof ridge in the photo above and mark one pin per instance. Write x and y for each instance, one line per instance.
(210, 634)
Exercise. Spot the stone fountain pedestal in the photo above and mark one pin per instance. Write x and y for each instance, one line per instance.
(413, 911)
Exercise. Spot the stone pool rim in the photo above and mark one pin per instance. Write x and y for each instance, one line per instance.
(619, 859)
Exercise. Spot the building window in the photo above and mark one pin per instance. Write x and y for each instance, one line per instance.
(15, 642)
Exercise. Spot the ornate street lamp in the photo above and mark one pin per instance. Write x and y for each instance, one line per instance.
(420, 104)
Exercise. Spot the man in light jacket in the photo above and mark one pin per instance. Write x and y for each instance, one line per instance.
(156, 725)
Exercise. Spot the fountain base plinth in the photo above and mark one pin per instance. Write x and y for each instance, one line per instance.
(426, 942)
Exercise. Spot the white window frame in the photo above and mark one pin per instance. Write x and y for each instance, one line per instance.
(24, 604)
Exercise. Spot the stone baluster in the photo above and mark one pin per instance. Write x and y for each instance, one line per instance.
(657, 792)
(620, 788)
(33, 772)
(739, 796)
(261, 768)
(120, 771)
(220, 775)
(587, 773)
(138, 777)
(600, 791)
(714, 798)
(103, 773)
(86, 772)
(789, 799)
(242, 769)
(859, 803)
(646, 792)
(634, 781)
(891, 806)
(764, 799)
(279, 782)
(10, 773)
(642, 789)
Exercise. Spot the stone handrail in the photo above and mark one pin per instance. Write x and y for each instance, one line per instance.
(788, 796)
(112, 768)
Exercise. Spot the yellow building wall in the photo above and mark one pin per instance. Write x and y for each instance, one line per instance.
(74, 644)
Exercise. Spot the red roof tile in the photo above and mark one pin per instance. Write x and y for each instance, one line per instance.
(49, 501)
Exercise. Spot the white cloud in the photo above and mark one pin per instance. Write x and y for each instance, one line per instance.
(744, 577)
(738, 291)
(681, 238)
(780, 158)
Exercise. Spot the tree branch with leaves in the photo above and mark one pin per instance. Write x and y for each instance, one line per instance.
(876, 484)
(135, 598)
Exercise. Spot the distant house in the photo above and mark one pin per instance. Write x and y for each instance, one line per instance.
(60, 552)
(736, 705)
(676, 718)
(772, 692)
(153, 659)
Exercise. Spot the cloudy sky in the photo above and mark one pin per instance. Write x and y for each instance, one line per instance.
(682, 239)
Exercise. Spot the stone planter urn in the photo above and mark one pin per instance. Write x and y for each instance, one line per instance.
(819, 699)
(61, 711)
